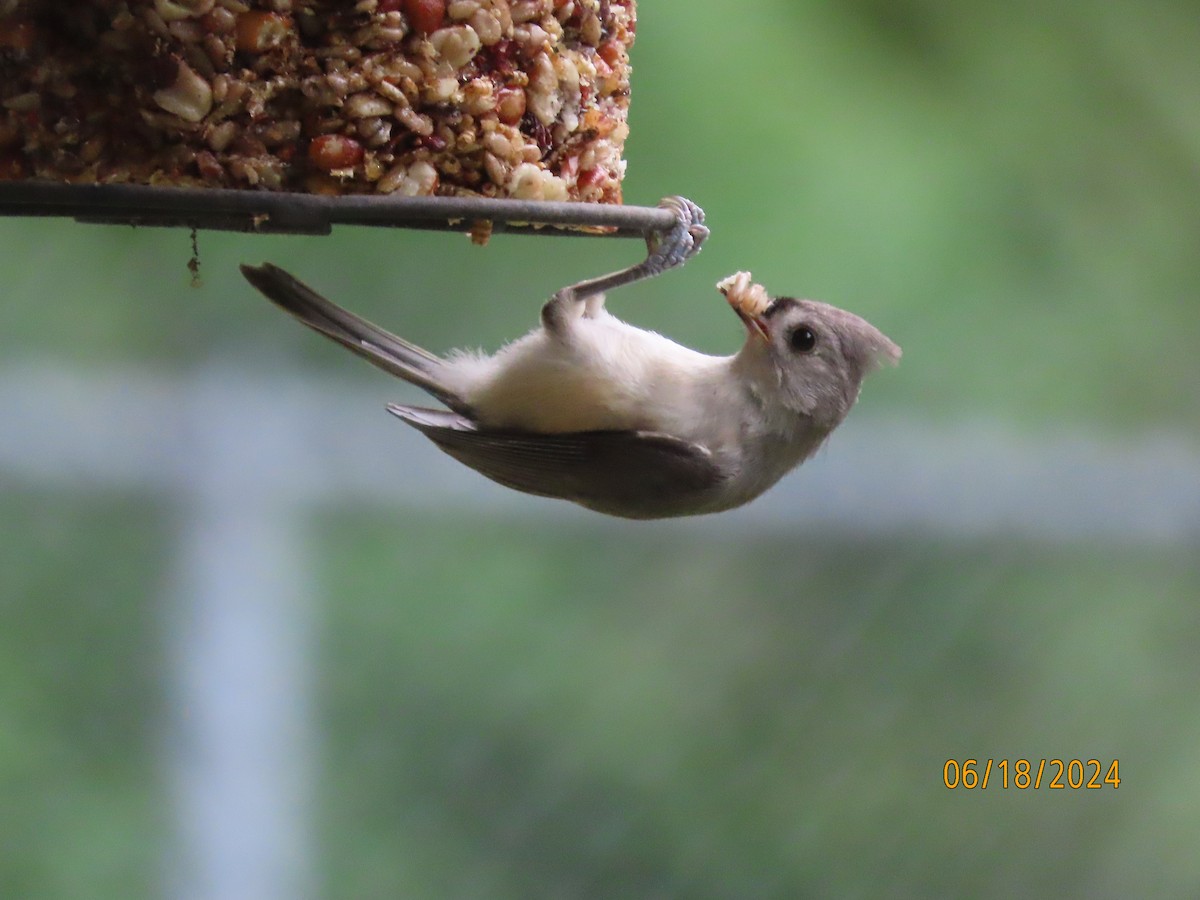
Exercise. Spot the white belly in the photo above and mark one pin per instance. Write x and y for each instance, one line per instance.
(607, 375)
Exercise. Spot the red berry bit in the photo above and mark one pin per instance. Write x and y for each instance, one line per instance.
(334, 151)
(260, 31)
(425, 16)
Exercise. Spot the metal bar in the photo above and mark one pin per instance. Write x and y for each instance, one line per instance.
(268, 212)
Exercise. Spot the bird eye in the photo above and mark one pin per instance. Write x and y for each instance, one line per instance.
(802, 339)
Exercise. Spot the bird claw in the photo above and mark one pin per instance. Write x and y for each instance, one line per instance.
(667, 249)
(681, 241)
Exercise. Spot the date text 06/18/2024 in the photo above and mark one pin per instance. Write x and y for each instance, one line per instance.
(1023, 774)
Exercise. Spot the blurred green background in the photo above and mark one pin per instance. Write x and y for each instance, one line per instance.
(529, 701)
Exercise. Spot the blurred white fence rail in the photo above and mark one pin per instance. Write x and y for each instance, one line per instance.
(242, 455)
(300, 441)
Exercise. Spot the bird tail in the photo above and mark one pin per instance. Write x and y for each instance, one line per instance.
(381, 348)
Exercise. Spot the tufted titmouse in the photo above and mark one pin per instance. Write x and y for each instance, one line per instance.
(621, 420)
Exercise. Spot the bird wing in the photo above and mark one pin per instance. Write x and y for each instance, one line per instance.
(634, 474)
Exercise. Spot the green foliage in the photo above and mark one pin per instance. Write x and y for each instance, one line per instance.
(673, 714)
(80, 697)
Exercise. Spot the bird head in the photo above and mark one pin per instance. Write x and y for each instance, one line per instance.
(815, 355)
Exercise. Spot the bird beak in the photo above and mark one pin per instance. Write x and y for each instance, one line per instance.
(755, 325)
(749, 300)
